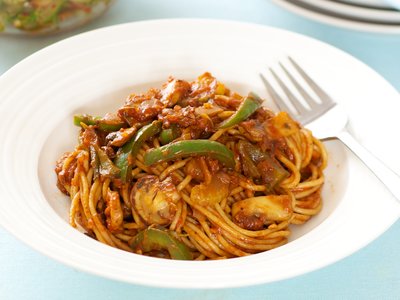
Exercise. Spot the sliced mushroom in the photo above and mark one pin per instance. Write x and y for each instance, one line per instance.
(253, 213)
(155, 200)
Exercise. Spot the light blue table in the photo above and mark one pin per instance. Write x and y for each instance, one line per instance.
(371, 273)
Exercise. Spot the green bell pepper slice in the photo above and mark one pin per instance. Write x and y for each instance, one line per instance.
(188, 148)
(250, 104)
(103, 125)
(169, 134)
(127, 153)
(158, 239)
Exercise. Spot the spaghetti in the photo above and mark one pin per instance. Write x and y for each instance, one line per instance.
(192, 171)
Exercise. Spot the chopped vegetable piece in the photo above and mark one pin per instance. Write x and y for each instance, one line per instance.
(158, 239)
(155, 200)
(282, 125)
(102, 164)
(170, 134)
(253, 213)
(114, 213)
(250, 104)
(128, 152)
(121, 137)
(261, 165)
(144, 134)
(47, 11)
(190, 148)
(105, 125)
(214, 192)
(249, 167)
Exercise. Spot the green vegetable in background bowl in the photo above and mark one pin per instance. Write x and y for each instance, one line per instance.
(45, 16)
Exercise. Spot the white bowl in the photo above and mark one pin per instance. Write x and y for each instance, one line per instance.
(93, 73)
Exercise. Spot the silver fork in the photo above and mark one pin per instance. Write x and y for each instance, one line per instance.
(326, 119)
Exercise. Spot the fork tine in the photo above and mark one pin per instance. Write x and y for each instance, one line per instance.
(299, 107)
(306, 96)
(275, 97)
(324, 97)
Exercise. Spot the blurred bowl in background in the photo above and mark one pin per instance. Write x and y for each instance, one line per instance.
(364, 15)
(394, 3)
(371, 3)
(39, 17)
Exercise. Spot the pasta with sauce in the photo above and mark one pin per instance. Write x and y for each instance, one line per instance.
(192, 171)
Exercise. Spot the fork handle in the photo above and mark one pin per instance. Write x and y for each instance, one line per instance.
(386, 175)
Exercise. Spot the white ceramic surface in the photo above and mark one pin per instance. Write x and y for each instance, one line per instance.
(356, 12)
(93, 73)
(376, 3)
(347, 17)
(393, 3)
